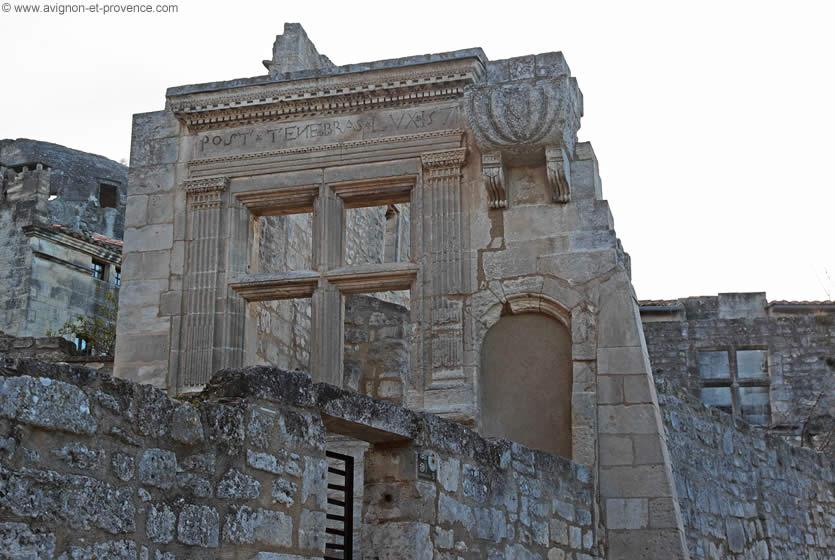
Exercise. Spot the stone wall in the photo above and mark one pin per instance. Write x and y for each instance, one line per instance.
(473, 499)
(53, 226)
(54, 349)
(94, 467)
(743, 493)
(800, 339)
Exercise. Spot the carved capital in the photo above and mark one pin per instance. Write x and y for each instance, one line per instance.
(492, 168)
(207, 184)
(559, 173)
(444, 163)
(205, 193)
(444, 158)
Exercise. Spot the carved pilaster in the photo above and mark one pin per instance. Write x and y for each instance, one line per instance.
(204, 256)
(559, 173)
(492, 169)
(442, 344)
(442, 184)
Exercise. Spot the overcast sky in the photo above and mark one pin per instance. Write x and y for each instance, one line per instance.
(713, 123)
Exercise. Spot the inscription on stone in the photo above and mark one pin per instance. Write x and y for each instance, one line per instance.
(323, 131)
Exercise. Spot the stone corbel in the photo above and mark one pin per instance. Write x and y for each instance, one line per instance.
(492, 169)
(559, 173)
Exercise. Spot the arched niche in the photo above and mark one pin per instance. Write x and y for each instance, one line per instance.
(525, 384)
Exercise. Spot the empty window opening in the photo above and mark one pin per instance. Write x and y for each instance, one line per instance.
(377, 345)
(108, 195)
(282, 244)
(377, 234)
(82, 345)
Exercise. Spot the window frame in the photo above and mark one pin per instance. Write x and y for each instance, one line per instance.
(734, 381)
(98, 265)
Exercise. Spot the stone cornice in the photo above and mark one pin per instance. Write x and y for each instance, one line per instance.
(73, 242)
(327, 95)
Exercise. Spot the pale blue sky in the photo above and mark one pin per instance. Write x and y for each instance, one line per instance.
(713, 121)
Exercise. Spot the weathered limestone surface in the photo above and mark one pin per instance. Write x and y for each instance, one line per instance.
(95, 467)
(799, 338)
(92, 466)
(743, 493)
(377, 335)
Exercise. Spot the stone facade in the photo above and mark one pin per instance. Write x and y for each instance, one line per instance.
(507, 217)
(797, 341)
(61, 248)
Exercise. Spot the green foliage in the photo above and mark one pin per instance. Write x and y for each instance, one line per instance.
(99, 330)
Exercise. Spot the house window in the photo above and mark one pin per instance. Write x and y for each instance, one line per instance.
(97, 270)
(83, 346)
(736, 381)
(117, 277)
(108, 195)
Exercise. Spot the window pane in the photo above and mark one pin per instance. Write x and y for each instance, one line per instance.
(714, 365)
(755, 404)
(97, 270)
(752, 364)
(720, 397)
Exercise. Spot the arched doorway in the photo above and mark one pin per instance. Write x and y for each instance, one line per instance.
(526, 382)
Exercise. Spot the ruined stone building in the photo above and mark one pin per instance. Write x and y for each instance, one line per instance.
(61, 222)
(769, 363)
(428, 238)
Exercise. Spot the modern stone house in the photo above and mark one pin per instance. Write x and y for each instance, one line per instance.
(61, 222)
(428, 238)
